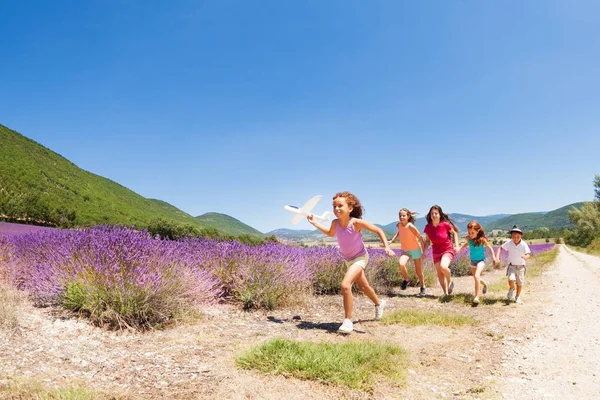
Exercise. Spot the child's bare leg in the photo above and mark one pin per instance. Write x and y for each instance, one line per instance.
(476, 279)
(364, 286)
(445, 266)
(477, 276)
(352, 274)
(403, 261)
(441, 278)
(419, 271)
(519, 288)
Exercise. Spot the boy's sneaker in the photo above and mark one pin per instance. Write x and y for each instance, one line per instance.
(404, 284)
(510, 294)
(422, 291)
(379, 309)
(346, 326)
(518, 299)
(476, 300)
(451, 287)
(484, 290)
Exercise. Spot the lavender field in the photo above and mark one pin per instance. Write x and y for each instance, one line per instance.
(119, 277)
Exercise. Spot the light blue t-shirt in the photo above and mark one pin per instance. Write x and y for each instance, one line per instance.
(477, 252)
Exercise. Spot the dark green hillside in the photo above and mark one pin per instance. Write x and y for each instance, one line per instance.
(227, 224)
(555, 219)
(37, 184)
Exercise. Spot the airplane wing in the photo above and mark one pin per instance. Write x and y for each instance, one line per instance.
(297, 218)
(311, 203)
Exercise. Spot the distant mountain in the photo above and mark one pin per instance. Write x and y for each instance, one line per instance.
(227, 224)
(297, 235)
(461, 221)
(558, 218)
(555, 219)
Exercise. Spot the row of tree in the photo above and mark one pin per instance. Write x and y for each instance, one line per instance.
(587, 221)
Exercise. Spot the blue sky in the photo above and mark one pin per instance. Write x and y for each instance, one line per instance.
(241, 107)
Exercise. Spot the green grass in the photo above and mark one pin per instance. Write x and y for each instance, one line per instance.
(354, 365)
(19, 389)
(422, 317)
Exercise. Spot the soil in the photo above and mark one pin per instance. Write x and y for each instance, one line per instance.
(548, 347)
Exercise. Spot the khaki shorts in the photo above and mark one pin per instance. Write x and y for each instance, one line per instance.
(516, 273)
(360, 261)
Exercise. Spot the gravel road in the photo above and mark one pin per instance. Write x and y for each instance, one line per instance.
(561, 359)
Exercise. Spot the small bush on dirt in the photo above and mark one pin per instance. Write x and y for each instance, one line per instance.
(355, 365)
(420, 317)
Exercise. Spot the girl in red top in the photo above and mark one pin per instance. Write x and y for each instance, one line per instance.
(438, 230)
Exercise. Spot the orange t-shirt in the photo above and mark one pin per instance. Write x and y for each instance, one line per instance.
(408, 240)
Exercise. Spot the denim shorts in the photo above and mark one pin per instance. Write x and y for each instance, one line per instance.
(475, 262)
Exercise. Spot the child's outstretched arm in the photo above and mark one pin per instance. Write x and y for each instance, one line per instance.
(465, 244)
(362, 224)
(498, 254)
(393, 238)
(329, 232)
(489, 246)
(454, 238)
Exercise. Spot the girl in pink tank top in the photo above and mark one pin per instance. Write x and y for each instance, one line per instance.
(412, 245)
(347, 228)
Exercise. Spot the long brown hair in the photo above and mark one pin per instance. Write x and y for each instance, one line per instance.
(352, 201)
(443, 216)
(411, 215)
(480, 233)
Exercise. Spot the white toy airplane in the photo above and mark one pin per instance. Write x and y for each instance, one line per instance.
(304, 211)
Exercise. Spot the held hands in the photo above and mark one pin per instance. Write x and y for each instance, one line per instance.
(390, 252)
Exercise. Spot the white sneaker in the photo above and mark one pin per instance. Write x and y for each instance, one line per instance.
(346, 326)
(510, 294)
(518, 300)
(379, 309)
(476, 300)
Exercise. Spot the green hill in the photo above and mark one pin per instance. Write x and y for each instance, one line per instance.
(227, 224)
(555, 219)
(40, 186)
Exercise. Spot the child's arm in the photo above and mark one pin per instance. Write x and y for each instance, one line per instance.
(394, 238)
(465, 244)
(362, 224)
(329, 232)
(454, 237)
(498, 254)
(489, 246)
(417, 234)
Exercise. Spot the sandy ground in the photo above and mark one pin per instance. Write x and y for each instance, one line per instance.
(547, 347)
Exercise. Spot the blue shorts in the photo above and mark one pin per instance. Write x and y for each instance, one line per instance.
(475, 262)
(413, 253)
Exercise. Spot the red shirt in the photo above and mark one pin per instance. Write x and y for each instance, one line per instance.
(440, 238)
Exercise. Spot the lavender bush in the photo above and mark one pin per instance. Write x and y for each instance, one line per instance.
(117, 276)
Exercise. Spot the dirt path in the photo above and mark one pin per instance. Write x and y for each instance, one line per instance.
(547, 347)
(562, 357)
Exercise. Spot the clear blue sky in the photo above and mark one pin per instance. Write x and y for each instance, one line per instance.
(241, 107)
